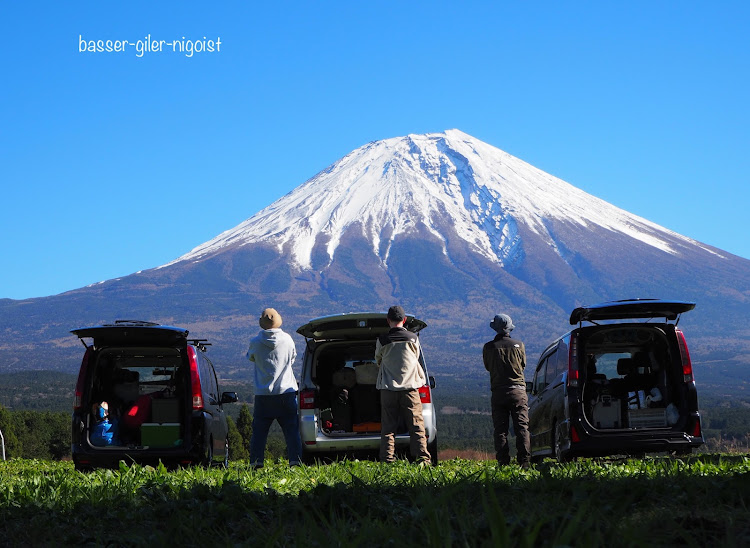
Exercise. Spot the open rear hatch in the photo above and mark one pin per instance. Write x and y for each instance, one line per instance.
(630, 309)
(359, 326)
(128, 332)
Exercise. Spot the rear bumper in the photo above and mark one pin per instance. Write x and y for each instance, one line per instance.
(595, 443)
(314, 440)
(190, 451)
(110, 457)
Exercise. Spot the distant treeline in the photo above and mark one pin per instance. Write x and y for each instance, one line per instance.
(35, 418)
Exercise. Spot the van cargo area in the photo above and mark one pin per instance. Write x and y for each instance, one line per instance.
(144, 388)
(631, 379)
(349, 402)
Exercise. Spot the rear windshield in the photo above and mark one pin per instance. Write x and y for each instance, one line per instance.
(616, 352)
(332, 356)
(123, 374)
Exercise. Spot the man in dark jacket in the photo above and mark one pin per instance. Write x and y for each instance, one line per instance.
(505, 359)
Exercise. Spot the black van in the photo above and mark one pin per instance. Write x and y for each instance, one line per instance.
(621, 384)
(162, 395)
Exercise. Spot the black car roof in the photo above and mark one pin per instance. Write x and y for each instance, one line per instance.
(630, 309)
(133, 332)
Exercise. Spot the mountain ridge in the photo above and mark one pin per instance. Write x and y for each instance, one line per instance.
(453, 229)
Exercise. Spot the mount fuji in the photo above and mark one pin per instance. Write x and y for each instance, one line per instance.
(395, 187)
(450, 227)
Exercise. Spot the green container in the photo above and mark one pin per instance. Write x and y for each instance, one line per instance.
(161, 435)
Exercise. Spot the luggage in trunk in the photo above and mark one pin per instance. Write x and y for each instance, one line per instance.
(607, 412)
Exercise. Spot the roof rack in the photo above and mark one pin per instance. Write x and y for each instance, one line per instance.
(201, 344)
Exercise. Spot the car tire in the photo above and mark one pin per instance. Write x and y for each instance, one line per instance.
(557, 445)
(208, 453)
(432, 449)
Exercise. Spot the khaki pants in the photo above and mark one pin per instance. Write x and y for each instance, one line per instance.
(394, 406)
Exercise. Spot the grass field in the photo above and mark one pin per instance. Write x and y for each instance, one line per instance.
(698, 501)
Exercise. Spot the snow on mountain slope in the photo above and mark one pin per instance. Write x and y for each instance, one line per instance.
(391, 187)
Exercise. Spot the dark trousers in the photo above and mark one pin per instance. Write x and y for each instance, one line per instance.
(511, 403)
(282, 408)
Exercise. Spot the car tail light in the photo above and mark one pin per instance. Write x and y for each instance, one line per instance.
(78, 398)
(687, 365)
(694, 428)
(195, 379)
(307, 399)
(424, 394)
(573, 361)
(574, 437)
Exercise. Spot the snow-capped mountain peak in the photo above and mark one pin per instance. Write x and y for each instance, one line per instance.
(395, 186)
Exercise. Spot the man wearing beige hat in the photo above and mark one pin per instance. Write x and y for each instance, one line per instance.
(273, 353)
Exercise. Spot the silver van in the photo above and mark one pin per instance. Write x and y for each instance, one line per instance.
(338, 403)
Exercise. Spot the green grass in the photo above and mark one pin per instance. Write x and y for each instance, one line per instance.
(698, 501)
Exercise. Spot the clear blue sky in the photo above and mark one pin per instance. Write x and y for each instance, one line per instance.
(112, 163)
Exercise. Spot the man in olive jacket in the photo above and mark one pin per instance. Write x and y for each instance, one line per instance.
(505, 359)
(400, 376)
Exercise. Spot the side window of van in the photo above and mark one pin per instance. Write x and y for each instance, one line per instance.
(539, 377)
(208, 379)
(562, 357)
(214, 382)
(551, 368)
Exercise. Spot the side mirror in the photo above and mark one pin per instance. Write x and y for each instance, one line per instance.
(228, 397)
(432, 382)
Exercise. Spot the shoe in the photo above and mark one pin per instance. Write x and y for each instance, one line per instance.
(525, 465)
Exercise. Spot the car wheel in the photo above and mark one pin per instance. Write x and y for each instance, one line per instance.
(208, 454)
(559, 455)
(432, 449)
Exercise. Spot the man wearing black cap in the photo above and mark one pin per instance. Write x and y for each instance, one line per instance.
(400, 376)
(505, 359)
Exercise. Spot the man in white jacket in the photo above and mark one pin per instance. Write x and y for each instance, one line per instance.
(399, 378)
(273, 353)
